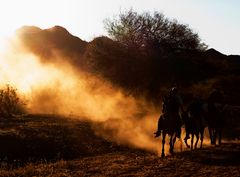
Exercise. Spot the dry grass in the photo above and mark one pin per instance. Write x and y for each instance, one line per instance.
(219, 161)
(41, 145)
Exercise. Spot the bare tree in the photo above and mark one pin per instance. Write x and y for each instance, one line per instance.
(146, 31)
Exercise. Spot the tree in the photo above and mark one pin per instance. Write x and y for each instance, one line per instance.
(156, 32)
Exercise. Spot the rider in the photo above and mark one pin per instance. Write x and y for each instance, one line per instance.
(215, 101)
(173, 104)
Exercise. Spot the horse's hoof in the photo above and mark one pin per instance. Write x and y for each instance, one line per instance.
(186, 144)
(157, 134)
(171, 151)
(213, 143)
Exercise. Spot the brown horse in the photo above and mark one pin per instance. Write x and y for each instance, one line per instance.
(169, 124)
(207, 115)
(194, 126)
(214, 118)
(194, 121)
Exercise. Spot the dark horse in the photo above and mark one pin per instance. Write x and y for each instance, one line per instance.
(194, 123)
(169, 123)
(214, 118)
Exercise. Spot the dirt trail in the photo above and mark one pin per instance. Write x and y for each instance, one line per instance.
(54, 146)
(212, 161)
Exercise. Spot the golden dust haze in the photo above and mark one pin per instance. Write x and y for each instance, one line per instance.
(60, 88)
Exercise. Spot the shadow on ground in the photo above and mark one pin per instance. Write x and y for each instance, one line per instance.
(228, 154)
(50, 139)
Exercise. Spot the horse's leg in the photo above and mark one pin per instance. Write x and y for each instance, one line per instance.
(195, 146)
(173, 142)
(188, 146)
(192, 139)
(220, 136)
(220, 128)
(181, 145)
(214, 136)
(211, 134)
(163, 143)
(201, 133)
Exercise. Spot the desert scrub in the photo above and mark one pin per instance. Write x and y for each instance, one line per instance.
(10, 102)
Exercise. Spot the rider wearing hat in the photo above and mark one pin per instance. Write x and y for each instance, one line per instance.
(173, 105)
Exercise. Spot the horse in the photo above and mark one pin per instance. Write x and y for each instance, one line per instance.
(168, 124)
(214, 118)
(206, 114)
(194, 123)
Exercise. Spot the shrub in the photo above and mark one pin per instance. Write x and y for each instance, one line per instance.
(10, 102)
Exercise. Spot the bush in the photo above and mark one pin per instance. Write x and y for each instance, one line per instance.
(10, 102)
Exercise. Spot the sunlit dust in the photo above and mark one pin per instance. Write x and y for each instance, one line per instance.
(61, 88)
(24, 71)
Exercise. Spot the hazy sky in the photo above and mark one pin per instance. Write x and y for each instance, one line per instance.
(216, 21)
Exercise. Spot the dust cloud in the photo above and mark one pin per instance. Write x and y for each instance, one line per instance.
(61, 88)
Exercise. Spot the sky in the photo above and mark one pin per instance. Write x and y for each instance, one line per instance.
(216, 21)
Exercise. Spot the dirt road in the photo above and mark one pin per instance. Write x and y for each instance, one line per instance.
(46, 146)
(213, 161)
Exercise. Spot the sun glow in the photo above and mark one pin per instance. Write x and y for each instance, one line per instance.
(57, 87)
(44, 14)
(85, 18)
(22, 69)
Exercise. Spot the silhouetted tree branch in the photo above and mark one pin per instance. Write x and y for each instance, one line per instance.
(145, 31)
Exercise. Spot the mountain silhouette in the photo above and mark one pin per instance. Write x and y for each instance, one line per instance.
(50, 43)
(135, 72)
